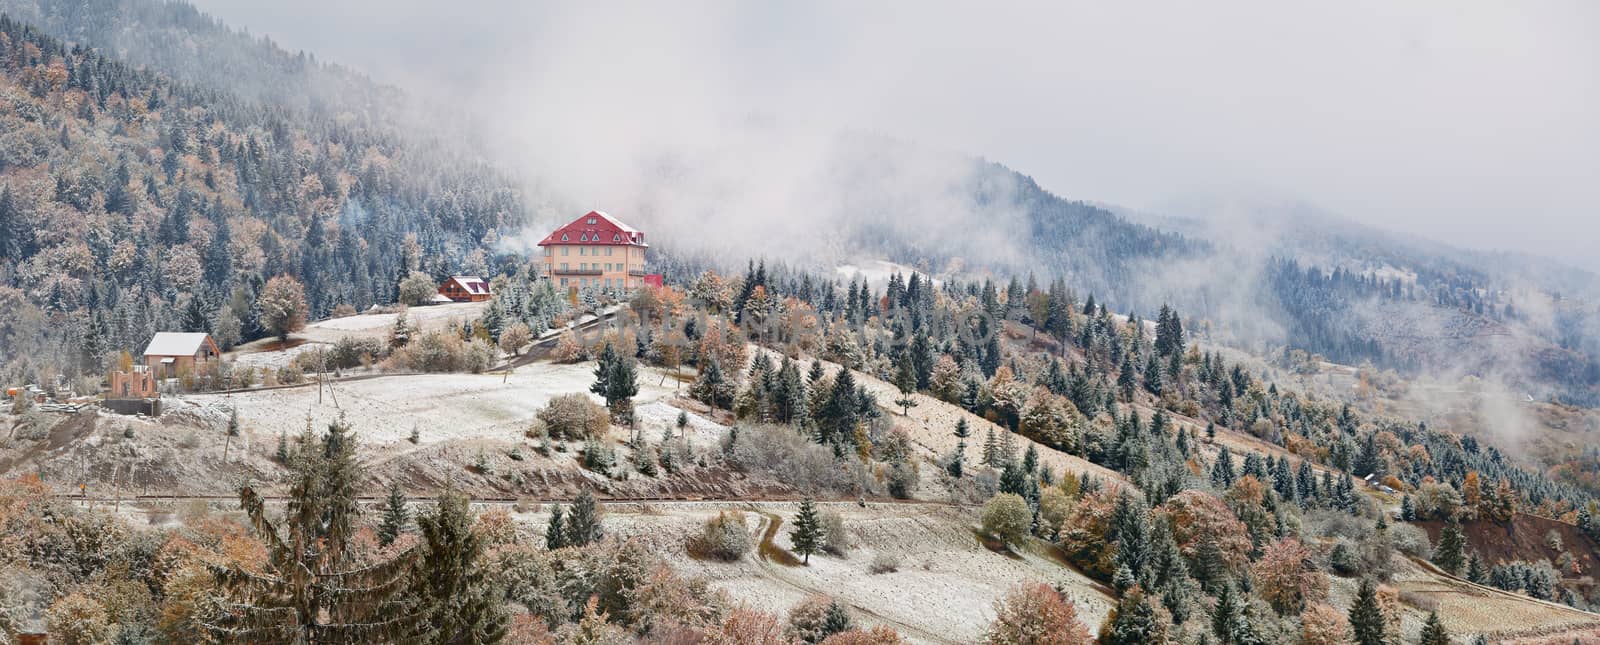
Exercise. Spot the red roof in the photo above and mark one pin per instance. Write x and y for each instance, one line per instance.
(596, 228)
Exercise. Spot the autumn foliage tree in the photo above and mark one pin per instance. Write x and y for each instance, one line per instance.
(283, 306)
(1286, 578)
(1036, 614)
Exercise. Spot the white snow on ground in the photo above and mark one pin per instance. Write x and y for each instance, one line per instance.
(427, 317)
(943, 592)
(443, 407)
(657, 415)
(273, 360)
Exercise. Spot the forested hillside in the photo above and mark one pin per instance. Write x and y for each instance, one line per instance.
(172, 121)
(131, 202)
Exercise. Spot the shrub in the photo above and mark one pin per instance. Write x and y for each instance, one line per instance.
(291, 374)
(351, 351)
(818, 617)
(574, 416)
(835, 540)
(724, 537)
(599, 457)
(880, 635)
(515, 337)
(902, 479)
(1323, 625)
(1007, 517)
(1410, 540)
(1343, 559)
(444, 351)
(884, 562)
(781, 454)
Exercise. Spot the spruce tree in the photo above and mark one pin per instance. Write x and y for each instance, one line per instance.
(962, 429)
(1133, 622)
(990, 448)
(233, 431)
(1450, 554)
(583, 525)
(1366, 617)
(807, 537)
(306, 593)
(957, 463)
(395, 516)
(905, 380)
(1433, 631)
(555, 534)
(455, 595)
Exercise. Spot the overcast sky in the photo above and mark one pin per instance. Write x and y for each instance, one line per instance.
(1472, 123)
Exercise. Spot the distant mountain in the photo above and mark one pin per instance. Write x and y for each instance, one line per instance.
(168, 141)
(135, 198)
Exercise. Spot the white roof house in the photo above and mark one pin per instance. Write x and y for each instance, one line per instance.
(169, 343)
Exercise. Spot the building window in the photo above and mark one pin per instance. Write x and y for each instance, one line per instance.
(581, 249)
(564, 249)
(563, 237)
(563, 282)
(591, 221)
(547, 251)
(563, 266)
(608, 250)
(616, 238)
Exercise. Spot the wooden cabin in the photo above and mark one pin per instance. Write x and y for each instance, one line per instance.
(465, 288)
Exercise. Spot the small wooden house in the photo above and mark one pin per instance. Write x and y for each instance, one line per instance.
(465, 288)
(171, 353)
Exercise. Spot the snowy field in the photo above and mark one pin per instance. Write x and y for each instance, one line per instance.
(442, 407)
(430, 317)
(943, 592)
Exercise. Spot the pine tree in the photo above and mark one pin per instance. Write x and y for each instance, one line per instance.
(1222, 474)
(905, 380)
(957, 463)
(807, 537)
(1227, 617)
(1433, 631)
(1475, 569)
(282, 454)
(555, 534)
(583, 525)
(963, 430)
(1126, 379)
(457, 601)
(990, 449)
(1408, 510)
(1133, 622)
(305, 593)
(1449, 555)
(1366, 618)
(395, 516)
(233, 431)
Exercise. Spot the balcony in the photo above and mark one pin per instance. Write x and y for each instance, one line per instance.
(576, 272)
(637, 273)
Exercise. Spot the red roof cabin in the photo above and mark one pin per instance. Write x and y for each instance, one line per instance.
(465, 288)
(596, 250)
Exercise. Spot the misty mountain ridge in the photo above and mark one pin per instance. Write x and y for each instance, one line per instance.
(870, 196)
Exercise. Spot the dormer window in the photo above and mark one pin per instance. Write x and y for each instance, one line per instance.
(616, 238)
(563, 237)
(591, 221)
